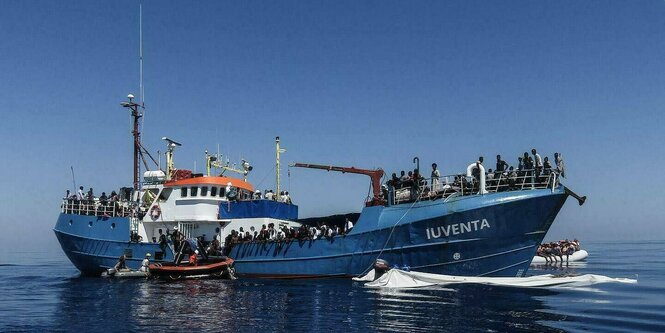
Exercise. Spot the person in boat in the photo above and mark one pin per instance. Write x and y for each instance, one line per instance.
(163, 243)
(213, 248)
(176, 238)
(576, 244)
(145, 263)
(121, 264)
(193, 258)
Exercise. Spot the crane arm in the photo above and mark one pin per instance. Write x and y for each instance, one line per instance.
(375, 176)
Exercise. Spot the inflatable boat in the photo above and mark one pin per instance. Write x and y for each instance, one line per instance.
(577, 256)
(124, 274)
(211, 268)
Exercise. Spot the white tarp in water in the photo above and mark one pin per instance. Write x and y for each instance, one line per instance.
(396, 278)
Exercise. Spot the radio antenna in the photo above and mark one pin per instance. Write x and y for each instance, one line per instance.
(141, 91)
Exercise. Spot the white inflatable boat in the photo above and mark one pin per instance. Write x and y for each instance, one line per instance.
(577, 256)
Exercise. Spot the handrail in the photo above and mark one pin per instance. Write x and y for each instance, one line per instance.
(97, 208)
(463, 185)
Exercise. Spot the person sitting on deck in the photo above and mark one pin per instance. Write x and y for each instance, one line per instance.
(193, 258)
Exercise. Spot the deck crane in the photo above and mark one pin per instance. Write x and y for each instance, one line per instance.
(375, 176)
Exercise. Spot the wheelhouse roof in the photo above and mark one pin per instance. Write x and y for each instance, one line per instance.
(211, 180)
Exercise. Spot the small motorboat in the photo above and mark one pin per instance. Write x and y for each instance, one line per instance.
(211, 268)
(124, 273)
(576, 256)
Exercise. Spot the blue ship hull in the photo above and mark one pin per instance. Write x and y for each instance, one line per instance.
(94, 243)
(490, 235)
(483, 235)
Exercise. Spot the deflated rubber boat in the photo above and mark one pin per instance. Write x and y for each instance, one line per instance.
(396, 278)
(124, 274)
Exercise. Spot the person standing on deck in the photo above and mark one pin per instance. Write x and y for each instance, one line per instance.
(501, 165)
(538, 163)
(79, 194)
(558, 161)
(435, 178)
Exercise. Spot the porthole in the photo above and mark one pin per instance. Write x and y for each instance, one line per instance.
(113, 225)
(90, 224)
(71, 222)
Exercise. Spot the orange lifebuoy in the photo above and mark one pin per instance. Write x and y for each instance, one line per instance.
(155, 212)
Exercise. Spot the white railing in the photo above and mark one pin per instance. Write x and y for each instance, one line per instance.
(97, 208)
(460, 185)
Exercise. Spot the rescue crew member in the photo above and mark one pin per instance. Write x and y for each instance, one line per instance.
(145, 263)
(193, 259)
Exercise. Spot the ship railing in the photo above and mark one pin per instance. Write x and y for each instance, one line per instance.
(461, 185)
(98, 208)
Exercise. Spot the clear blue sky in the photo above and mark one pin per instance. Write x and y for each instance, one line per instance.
(362, 83)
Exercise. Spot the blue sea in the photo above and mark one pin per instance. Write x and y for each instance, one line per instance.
(42, 291)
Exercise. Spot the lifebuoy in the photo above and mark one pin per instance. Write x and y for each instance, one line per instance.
(155, 212)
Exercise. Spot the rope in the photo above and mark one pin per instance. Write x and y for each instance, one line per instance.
(392, 230)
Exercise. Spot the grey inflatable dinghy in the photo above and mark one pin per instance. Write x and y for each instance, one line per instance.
(124, 274)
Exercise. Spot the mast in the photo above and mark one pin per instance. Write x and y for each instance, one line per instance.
(136, 116)
(277, 152)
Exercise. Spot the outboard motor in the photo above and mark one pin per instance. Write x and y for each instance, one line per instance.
(380, 267)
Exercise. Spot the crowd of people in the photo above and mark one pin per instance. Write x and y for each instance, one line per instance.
(88, 204)
(280, 234)
(531, 170)
(270, 195)
(555, 251)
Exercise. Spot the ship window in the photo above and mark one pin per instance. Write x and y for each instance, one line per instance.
(113, 225)
(222, 191)
(183, 192)
(204, 191)
(90, 224)
(159, 255)
(129, 253)
(213, 191)
(165, 194)
(193, 191)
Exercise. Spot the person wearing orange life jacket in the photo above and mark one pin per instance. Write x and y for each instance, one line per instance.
(193, 259)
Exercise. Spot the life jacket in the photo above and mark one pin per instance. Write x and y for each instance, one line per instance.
(193, 260)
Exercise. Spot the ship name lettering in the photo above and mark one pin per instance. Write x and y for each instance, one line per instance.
(457, 228)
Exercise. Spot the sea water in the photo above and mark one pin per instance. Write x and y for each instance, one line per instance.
(43, 292)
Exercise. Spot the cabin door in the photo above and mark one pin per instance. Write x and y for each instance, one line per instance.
(186, 228)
